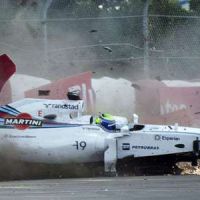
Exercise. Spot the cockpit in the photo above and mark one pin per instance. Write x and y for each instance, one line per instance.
(109, 122)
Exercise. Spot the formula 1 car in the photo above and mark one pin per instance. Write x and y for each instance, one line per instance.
(57, 132)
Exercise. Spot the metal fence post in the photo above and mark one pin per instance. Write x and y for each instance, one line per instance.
(146, 37)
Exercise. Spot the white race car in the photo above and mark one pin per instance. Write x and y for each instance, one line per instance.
(56, 132)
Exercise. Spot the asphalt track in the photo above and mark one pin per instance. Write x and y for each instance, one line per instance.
(123, 188)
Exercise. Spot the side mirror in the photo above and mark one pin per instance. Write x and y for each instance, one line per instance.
(50, 117)
(91, 119)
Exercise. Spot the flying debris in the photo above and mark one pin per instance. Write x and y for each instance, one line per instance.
(158, 78)
(93, 31)
(136, 86)
(108, 49)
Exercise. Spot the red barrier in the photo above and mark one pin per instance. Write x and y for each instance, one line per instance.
(5, 94)
(58, 89)
(7, 69)
(157, 103)
(174, 98)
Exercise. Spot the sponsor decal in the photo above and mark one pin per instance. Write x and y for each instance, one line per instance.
(126, 146)
(19, 136)
(157, 137)
(40, 114)
(59, 106)
(141, 147)
(166, 138)
(22, 121)
(91, 129)
(169, 107)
